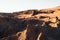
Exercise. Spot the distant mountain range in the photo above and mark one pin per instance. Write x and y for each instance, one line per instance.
(32, 24)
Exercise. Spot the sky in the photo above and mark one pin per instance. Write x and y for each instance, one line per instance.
(21, 5)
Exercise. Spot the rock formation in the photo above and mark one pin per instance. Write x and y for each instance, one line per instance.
(41, 24)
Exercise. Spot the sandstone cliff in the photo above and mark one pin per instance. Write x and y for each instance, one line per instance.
(41, 24)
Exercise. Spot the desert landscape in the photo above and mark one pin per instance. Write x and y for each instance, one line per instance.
(43, 24)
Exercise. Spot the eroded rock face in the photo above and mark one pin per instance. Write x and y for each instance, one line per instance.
(31, 25)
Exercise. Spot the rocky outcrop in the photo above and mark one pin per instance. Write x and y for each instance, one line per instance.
(41, 24)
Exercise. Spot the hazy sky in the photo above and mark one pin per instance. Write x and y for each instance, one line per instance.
(19, 5)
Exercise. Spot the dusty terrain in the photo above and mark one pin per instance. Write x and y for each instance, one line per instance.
(41, 24)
